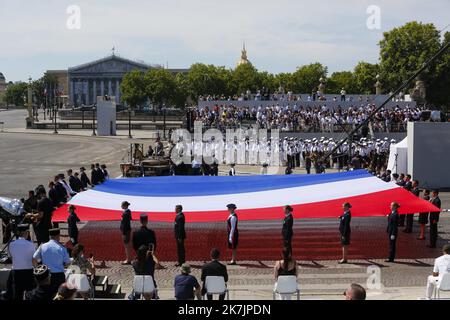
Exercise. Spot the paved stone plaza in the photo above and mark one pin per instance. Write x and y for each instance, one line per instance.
(32, 157)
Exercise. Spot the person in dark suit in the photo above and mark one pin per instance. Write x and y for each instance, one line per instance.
(53, 194)
(144, 236)
(434, 218)
(100, 174)
(72, 225)
(214, 268)
(405, 182)
(308, 163)
(125, 230)
(423, 216)
(30, 204)
(94, 176)
(85, 182)
(408, 183)
(344, 230)
(232, 232)
(61, 191)
(392, 230)
(286, 231)
(180, 234)
(42, 220)
(410, 217)
(74, 182)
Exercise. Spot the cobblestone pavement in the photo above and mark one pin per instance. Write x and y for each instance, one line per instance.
(317, 279)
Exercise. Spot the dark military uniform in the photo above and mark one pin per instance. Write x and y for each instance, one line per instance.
(125, 226)
(73, 229)
(423, 216)
(180, 235)
(287, 231)
(434, 219)
(235, 236)
(43, 292)
(344, 228)
(144, 236)
(392, 231)
(410, 217)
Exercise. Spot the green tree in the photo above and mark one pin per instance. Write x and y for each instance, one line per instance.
(15, 93)
(403, 50)
(306, 78)
(339, 80)
(245, 77)
(181, 90)
(267, 80)
(133, 88)
(207, 79)
(365, 77)
(283, 80)
(438, 89)
(160, 86)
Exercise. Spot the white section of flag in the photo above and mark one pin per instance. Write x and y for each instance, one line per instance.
(247, 200)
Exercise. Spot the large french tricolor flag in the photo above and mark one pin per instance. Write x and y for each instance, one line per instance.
(259, 197)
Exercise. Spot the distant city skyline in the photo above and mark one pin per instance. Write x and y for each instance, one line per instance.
(279, 36)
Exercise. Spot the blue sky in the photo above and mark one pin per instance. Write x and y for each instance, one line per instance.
(279, 35)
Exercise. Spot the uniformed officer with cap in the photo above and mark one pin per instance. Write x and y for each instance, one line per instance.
(345, 230)
(21, 252)
(125, 230)
(55, 256)
(287, 229)
(232, 231)
(43, 291)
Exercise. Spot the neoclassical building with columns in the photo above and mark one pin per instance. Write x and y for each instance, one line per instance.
(102, 77)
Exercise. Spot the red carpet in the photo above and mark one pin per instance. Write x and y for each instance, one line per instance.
(313, 240)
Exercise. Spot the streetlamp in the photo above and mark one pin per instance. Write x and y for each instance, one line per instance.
(129, 123)
(164, 122)
(94, 107)
(378, 85)
(30, 102)
(55, 111)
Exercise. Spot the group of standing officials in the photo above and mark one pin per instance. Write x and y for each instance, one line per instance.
(287, 233)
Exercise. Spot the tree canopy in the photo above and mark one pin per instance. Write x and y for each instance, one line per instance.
(402, 51)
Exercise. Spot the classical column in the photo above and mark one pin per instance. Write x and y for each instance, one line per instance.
(102, 88)
(117, 91)
(86, 91)
(109, 87)
(94, 89)
(72, 91)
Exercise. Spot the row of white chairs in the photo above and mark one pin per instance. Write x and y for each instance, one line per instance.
(286, 286)
(81, 282)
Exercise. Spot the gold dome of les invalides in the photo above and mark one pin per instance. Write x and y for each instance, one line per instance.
(243, 59)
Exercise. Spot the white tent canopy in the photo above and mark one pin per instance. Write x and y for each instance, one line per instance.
(398, 157)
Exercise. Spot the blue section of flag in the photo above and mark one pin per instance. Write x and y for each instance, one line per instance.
(171, 186)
